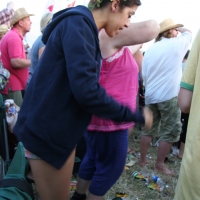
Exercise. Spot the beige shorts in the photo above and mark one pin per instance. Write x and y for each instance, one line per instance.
(166, 121)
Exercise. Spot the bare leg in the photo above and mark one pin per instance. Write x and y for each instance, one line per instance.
(181, 150)
(93, 197)
(52, 183)
(163, 150)
(145, 142)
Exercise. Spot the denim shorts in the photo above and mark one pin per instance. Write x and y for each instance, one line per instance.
(166, 121)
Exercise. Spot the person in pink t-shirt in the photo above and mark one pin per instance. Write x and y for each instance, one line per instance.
(13, 56)
(106, 140)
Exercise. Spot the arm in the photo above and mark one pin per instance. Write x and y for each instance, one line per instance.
(136, 33)
(185, 99)
(40, 52)
(182, 43)
(189, 77)
(182, 30)
(16, 54)
(20, 62)
(139, 58)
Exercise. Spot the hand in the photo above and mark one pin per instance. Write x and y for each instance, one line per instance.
(148, 116)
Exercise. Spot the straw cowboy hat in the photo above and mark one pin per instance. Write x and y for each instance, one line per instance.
(19, 14)
(168, 24)
(3, 29)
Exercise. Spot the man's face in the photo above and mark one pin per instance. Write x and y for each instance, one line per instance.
(26, 24)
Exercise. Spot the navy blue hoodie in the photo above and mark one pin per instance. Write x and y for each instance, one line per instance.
(64, 91)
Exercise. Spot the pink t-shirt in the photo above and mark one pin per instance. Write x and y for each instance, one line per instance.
(119, 77)
(12, 47)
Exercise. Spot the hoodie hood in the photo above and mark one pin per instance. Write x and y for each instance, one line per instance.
(59, 16)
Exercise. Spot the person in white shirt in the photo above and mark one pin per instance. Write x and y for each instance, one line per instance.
(162, 72)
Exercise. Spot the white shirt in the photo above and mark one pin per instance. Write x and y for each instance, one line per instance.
(162, 68)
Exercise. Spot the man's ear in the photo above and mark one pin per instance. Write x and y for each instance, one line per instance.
(21, 23)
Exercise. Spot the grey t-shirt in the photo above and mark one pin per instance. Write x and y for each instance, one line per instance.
(34, 56)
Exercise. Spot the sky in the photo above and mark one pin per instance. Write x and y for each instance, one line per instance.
(181, 11)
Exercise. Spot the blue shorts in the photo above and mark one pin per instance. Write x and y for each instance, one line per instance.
(104, 160)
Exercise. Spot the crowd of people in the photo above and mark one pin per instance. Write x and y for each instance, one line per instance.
(82, 81)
